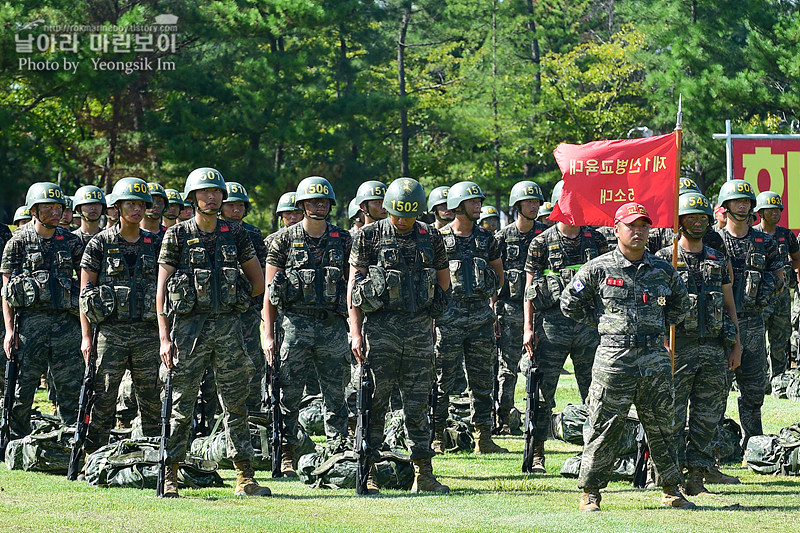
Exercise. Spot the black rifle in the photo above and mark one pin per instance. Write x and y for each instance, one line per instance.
(166, 412)
(532, 385)
(496, 425)
(642, 455)
(84, 411)
(433, 398)
(363, 408)
(12, 372)
(274, 400)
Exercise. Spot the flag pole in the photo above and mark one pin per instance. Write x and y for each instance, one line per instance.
(675, 224)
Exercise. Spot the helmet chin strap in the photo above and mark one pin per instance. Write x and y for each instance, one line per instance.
(738, 217)
(152, 216)
(461, 211)
(45, 224)
(315, 216)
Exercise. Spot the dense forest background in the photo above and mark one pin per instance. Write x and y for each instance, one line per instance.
(272, 91)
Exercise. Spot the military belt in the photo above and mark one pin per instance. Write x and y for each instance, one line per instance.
(472, 304)
(549, 272)
(632, 341)
(318, 314)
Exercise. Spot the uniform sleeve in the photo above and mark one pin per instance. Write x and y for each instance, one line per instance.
(12, 257)
(92, 259)
(537, 257)
(494, 249)
(260, 248)
(500, 237)
(347, 242)
(726, 275)
(577, 298)
(440, 261)
(170, 248)
(794, 246)
(359, 251)
(278, 254)
(774, 260)
(678, 300)
(601, 242)
(244, 246)
(77, 247)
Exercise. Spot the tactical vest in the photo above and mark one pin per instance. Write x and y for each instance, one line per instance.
(471, 277)
(752, 284)
(705, 314)
(202, 286)
(134, 291)
(408, 287)
(782, 239)
(38, 287)
(514, 263)
(321, 287)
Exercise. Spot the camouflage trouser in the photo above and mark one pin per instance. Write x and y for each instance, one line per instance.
(466, 330)
(48, 341)
(510, 315)
(559, 336)
(778, 324)
(127, 406)
(216, 341)
(251, 330)
(313, 346)
(701, 382)
(610, 397)
(751, 376)
(400, 354)
(121, 346)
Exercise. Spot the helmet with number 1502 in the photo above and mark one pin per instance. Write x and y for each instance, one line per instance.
(735, 190)
(405, 198)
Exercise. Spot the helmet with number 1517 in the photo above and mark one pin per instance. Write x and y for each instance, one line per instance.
(461, 191)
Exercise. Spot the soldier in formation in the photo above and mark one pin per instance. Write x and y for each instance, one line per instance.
(90, 204)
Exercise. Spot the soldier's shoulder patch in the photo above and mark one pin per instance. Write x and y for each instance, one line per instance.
(224, 227)
(615, 282)
(759, 239)
(577, 285)
(334, 234)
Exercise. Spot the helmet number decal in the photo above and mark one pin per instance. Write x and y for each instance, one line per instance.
(743, 187)
(405, 207)
(377, 191)
(698, 201)
(210, 175)
(138, 187)
(54, 192)
(320, 188)
(235, 189)
(473, 190)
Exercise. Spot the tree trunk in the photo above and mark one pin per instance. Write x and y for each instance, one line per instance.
(401, 82)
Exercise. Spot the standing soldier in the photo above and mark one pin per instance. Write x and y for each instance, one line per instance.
(702, 339)
(397, 335)
(5, 236)
(544, 214)
(778, 312)
(112, 215)
(90, 203)
(513, 242)
(757, 276)
(467, 326)
(21, 216)
(38, 265)
(187, 212)
(201, 286)
(369, 198)
(355, 216)
(152, 217)
(175, 204)
(306, 273)
(67, 216)
(234, 209)
(118, 296)
(490, 218)
(437, 205)
(552, 260)
(631, 296)
(289, 215)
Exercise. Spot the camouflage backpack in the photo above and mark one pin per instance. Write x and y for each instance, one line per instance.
(786, 386)
(133, 463)
(394, 432)
(568, 426)
(46, 449)
(393, 471)
(311, 416)
(624, 467)
(727, 444)
(775, 454)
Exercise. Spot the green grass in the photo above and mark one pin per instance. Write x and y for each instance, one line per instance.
(488, 494)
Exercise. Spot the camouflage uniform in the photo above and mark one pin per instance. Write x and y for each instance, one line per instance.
(701, 363)
(662, 237)
(5, 236)
(632, 304)
(608, 233)
(778, 312)
(84, 237)
(49, 331)
(513, 247)
(251, 326)
(314, 331)
(128, 339)
(467, 326)
(399, 341)
(753, 256)
(553, 260)
(209, 332)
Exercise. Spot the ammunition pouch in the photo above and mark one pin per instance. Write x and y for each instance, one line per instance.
(544, 292)
(22, 290)
(283, 291)
(515, 279)
(98, 303)
(368, 291)
(181, 295)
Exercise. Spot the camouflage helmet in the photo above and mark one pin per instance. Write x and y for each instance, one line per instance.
(694, 203)
(734, 190)
(314, 187)
(44, 193)
(488, 211)
(370, 190)
(174, 197)
(156, 189)
(438, 196)
(688, 185)
(237, 193)
(133, 189)
(768, 200)
(89, 194)
(204, 178)
(405, 198)
(22, 213)
(353, 209)
(525, 190)
(286, 203)
(557, 192)
(461, 191)
(545, 210)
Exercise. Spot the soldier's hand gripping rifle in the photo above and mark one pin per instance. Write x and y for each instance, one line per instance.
(274, 400)
(363, 408)
(642, 455)
(12, 372)
(532, 385)
(166, 412)
(84, 411)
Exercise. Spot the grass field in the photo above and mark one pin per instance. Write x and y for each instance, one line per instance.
(488, 494)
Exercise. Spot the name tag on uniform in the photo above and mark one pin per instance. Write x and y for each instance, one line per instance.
(148, 240)
(192, 241)
(223, 229)
(295, 244)
(615, 282)
(587, 233)
(113, 250)
(334, 234)
(759, 239)
(59, 237)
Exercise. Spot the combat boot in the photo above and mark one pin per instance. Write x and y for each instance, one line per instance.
(503, 427)
(170, 480)
(715, 477)
(287, 460)
(672, 497)
(484, 442)
(590, 500)
(424, 480)
(694, 483)
(437, 445)
(372, 481)
(246, 485)
(538, 458)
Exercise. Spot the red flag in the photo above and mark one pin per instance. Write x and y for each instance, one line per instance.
(600, 176)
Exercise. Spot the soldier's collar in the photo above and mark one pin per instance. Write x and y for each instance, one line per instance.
(625, 262)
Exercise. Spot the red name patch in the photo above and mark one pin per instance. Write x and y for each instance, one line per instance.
(223, 229)
(148, 240)
(758, 239)
(587, 233)
(59, 237)
(334, 234)
(712, 256)
(422, 231)
(615, 282)
(781, 239)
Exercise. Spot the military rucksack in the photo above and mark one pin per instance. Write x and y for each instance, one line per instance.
(393, 471)
(624, 467)
(775, 454)
(786, 386)
(312, 416)
(568, 426)
(46, 449)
